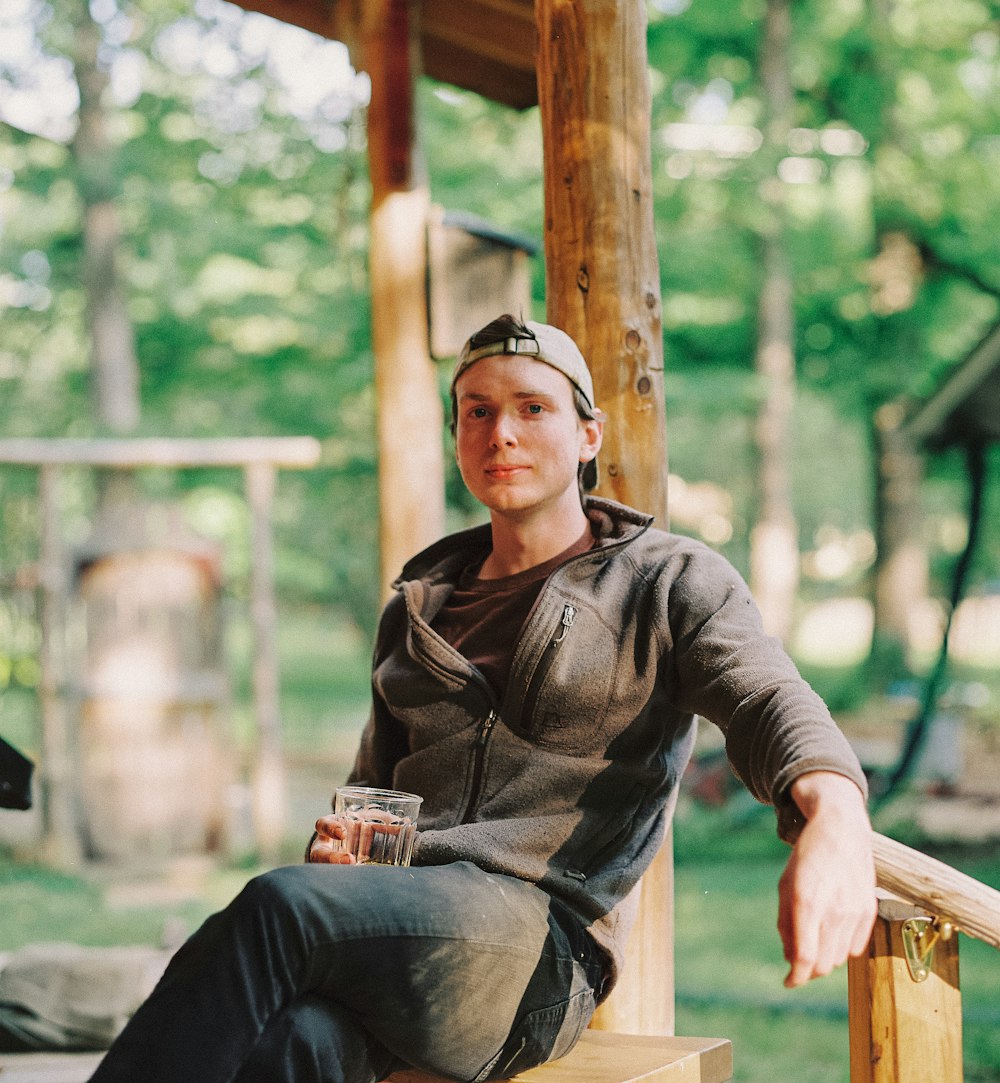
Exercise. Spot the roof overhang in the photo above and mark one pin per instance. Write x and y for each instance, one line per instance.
(487, 46)
(966, 408)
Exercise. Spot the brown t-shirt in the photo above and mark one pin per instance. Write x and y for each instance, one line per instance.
(483, 618)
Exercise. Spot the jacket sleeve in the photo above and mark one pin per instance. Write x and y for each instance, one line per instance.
(728, 670)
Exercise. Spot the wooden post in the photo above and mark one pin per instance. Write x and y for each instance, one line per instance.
(410, 415)
(61, 837)
(903, 1030)
(269, 798)
(603, 288)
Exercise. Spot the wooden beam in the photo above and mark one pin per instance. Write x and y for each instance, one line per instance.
(944, 892)
(330, 18)
(903, 1030)
(602, 269)
(410, 414)
(290, 452)
(462, 65)
(498, 34)
(603, 288)
(269, 798)
(486, 46)
(61, 843)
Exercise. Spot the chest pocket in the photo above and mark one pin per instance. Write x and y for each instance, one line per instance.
(568, 696)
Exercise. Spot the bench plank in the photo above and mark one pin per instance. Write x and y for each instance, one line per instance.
(599, 1057)
(48, 1067)
(608, 1057)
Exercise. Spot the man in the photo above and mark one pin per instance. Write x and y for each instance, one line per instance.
(536, 680)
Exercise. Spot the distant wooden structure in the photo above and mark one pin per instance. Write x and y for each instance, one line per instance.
(963, 412)
(965, 409)
(259, 458)
(475, 272)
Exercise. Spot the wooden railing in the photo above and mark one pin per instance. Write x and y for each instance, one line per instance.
(904, 996)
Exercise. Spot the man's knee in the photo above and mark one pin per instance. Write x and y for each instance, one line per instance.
(284, 891)
(315, 1041)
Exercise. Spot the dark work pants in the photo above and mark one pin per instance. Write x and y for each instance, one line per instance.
(342, 974)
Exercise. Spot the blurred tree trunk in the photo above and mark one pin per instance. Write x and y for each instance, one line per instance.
(114, 368)
(901, 570)
(900, 577)
(774, 550)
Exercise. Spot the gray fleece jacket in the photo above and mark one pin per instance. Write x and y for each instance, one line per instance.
(569, 780)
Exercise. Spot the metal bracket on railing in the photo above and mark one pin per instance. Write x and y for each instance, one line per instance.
(919, 937)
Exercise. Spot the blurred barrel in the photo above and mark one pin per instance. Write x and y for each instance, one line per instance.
(154, 770)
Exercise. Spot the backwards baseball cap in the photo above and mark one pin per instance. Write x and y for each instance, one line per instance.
(547, 343)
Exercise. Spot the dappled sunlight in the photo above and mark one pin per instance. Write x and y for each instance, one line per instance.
(975, 633)
(837, 632)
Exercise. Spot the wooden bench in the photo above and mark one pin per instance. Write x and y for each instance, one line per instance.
(603, 1056)
(48, 1067)
(599, 1057)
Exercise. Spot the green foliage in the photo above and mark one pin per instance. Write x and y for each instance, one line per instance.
(243, 199)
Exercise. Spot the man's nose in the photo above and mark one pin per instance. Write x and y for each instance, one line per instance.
(503, 434)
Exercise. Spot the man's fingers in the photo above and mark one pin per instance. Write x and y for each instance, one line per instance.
(325, 851)
(331, 827)
(814, 950)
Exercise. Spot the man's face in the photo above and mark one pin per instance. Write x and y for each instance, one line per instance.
(518, 438)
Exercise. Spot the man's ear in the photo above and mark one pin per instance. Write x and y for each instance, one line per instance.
(592, 437)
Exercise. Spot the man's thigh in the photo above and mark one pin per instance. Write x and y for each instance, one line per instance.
(449, 967)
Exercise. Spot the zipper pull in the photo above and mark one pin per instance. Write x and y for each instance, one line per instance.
(569, 615)
(486, 726)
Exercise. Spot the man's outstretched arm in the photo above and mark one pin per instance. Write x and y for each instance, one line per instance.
(826, 895)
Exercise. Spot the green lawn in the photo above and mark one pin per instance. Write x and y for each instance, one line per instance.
(728, 957)
(729, 968)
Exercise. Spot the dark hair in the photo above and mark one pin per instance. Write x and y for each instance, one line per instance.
(503, 327)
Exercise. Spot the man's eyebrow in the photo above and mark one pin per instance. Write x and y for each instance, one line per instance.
(473, 396)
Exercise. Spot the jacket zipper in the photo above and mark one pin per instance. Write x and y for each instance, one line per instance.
(531, 695)
(487, 724)
(478, 758)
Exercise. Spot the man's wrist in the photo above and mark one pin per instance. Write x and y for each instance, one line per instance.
(826, 791)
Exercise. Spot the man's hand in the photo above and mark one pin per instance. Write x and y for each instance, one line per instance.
(327, 847)
(826, 896)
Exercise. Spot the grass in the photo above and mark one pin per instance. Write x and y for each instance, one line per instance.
(729, 968)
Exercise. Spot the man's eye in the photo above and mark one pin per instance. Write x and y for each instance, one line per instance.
(479, 411)
(534, 408)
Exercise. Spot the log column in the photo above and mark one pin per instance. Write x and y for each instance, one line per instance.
(410, 415)
(603, 288)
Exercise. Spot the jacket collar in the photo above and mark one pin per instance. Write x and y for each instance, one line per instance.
(613, 523)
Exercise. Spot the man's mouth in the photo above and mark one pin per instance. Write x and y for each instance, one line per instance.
(504, 470)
